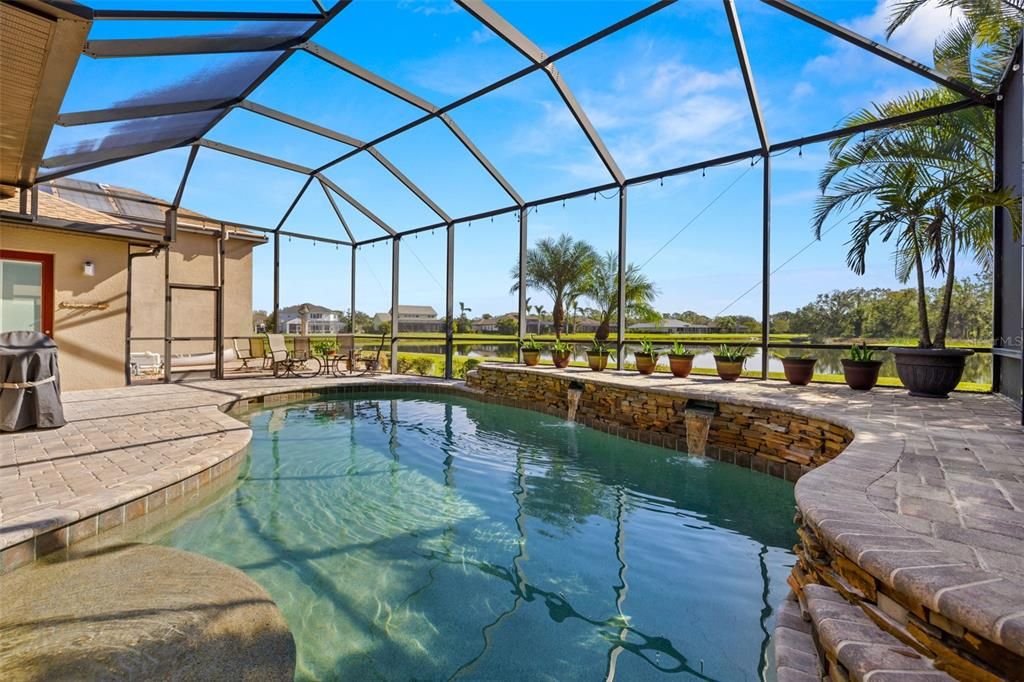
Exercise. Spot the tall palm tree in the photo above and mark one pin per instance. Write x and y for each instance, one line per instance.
(558, 267)
(928, 184)
(602, 288)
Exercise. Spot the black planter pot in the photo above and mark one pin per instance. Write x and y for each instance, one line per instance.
(930, 372)
(799, 371)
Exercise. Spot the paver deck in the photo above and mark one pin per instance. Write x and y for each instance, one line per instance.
(929, 495)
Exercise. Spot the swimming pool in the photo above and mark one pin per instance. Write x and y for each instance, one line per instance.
(406, 536)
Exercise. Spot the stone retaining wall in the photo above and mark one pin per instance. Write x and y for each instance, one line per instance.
(779, 443)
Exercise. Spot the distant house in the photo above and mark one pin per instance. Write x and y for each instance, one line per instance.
(413, 318)
(489, 325)
(319, 320)
(259, 322)
(673, 326)
(587, 325)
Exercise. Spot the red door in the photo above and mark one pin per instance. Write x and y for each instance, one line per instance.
(26, 291)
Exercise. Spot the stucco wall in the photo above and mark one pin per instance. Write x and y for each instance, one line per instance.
(193, 261)
(91, 341)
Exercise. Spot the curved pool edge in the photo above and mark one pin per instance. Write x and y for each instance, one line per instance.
(907, 591)
(851, 542)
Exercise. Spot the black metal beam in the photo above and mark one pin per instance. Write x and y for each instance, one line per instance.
(297, 122)
(254, 156)
(876, 48)
(449, 303)
(200, 15)
(401, 93)
(893, 121)
(295, 202)
(766, 263)
(395, 283)
(337, 211)
(78, 118)
(620, 296)
(164, 47)
(523, 246)
(511, 35)
(748, 75)
(95, 158)
(193, 152)
(356, 205)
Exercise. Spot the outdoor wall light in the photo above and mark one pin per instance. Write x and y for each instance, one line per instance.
(89, 268)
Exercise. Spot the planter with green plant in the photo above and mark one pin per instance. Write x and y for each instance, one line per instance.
(930, 189)
(561, 354)
(646, 358)
(729, 361)
(530, 349)
(680, 360)
(799, 369)
(323, 348)
(861, 369)
(597, 355)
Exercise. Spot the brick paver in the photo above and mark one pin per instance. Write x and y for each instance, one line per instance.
(929, 496)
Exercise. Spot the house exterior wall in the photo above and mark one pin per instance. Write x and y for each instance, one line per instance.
(90, 340)
(193, 313)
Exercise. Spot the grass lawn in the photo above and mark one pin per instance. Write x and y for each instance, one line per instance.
(432, 364)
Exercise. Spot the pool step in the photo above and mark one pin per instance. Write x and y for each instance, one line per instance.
(796, 657)
(856, 648)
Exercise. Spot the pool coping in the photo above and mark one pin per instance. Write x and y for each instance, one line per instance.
(833, 498)
(835, 501)
(52, 528)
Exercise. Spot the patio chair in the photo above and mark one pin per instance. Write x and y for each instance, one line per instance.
(243, 352)
(285, 362)
(347, 365)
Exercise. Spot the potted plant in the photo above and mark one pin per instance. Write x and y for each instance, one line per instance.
(561, 354)
(597, 355)
(680, 360)
(646, 358)
(323, 348)
(799, 369)
(860, 370)
(932, 189)
(729, 361)
(530, 350)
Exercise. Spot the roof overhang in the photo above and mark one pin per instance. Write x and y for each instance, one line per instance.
(122, 233)
(40, 43)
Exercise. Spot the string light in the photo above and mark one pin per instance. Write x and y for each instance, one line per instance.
(661, 181)
(703, 172)
(801, 151)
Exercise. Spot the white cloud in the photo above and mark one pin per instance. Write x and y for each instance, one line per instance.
(802, 89)
(916, 37)
(429, 7)
(481, 36)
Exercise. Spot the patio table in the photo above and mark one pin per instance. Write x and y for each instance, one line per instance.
(29, 382)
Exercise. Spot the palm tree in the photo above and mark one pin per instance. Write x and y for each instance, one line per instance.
(928, 184)
(539, 309)
(463, 321)
(602, 288)
(977, 45)
(558, 267)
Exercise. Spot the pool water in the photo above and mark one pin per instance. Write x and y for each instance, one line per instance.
(433, 538)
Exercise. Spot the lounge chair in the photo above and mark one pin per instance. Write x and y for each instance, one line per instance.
(285, 362)
(243, 352)
(350, 356)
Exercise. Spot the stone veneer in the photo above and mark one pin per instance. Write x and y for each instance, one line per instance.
(883, 602)
(772, 441)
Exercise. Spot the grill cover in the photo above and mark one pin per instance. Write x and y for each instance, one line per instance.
(29, 382)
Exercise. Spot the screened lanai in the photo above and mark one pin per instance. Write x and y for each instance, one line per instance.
(412, 153)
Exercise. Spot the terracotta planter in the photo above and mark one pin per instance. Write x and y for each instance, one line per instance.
(680, 365)
(531, 357)
(799, 371)
(561, 358)
(930, 372)
(597, 361)
(861, 376)
(645, 363)
(728, 370)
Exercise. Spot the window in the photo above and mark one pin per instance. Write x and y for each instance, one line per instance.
(26, 292)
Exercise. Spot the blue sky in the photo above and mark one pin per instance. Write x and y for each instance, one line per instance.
(662, 93)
